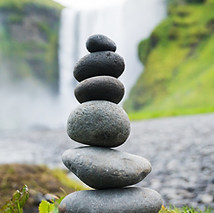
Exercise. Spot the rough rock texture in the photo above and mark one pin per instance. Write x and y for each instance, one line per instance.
(99, 123)
(100, 43)
(100, 88)
(180, 150)
(126, 200)
(103, 168)
(99, 63)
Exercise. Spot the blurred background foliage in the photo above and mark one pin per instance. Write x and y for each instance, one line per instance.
(177, 57)
(29, 42)
(179, 69)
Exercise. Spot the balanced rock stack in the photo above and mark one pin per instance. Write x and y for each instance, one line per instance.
(100, 123)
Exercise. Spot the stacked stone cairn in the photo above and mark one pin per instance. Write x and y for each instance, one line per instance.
(101, 124)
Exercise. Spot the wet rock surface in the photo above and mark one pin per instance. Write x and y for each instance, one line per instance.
(100, 43)
(180, 150)
(103, 168)
(126, 200)
(99, 123)
(106, 124)
(98, 64)
(100, 88)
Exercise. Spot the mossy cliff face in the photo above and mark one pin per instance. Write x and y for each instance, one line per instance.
(179, 68)
(29, 42)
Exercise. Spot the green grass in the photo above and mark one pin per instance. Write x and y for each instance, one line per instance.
(179, 68)
(39, 179)
(20, 3)
(67, 181)
(20, 199)
(185, 209)
(147, 114)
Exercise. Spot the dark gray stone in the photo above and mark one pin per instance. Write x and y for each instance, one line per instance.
(193, 145)
(100, 43)
(99, 123)
(99, 63)
(100, 88)
(103, 168)
(126, 200)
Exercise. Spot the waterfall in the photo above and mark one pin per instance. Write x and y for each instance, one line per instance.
(68, 52)
(126, 23)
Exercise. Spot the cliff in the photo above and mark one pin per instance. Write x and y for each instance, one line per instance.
(179, 69)
(29, 42)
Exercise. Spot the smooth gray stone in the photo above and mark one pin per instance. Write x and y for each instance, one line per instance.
(99, 123)
(100, 43)
(99, 63)
(126, 200)
(100, 88)
(103, 168)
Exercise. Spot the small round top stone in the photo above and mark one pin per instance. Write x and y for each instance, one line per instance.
(100, 42)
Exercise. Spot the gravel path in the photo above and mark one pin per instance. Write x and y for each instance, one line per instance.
(180, 149)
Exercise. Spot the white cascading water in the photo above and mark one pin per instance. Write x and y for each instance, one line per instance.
(67, 58)
(126, 24)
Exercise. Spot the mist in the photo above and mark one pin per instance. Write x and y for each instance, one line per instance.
(28, 107)
(29, 102)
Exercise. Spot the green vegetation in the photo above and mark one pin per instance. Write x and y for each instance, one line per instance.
(19, 199)
(171, 2)
(185, 209)
(179, 68)
(68, 182)
(19, 4)
(29, 42)
(39, 179)
(47, 207)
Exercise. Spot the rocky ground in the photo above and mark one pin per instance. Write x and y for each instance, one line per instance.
(181, 150)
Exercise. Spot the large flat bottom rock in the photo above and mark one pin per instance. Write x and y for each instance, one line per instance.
(126, 200)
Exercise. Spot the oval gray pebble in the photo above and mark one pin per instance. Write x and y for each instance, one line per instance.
(126, 200)
(100, 43)
(99, 63)
(99, 123)
(100, 88)
(103, 168)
